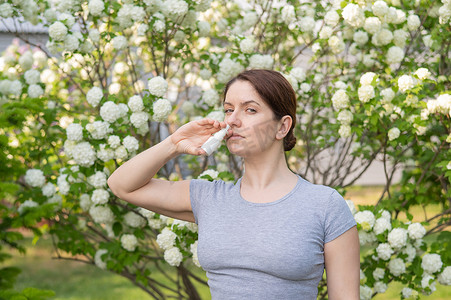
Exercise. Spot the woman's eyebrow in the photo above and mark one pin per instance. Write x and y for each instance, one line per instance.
(243, 103)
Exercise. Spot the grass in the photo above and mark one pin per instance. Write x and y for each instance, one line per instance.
(76, 281)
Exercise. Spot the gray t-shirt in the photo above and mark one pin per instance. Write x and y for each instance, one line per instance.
(269, 250)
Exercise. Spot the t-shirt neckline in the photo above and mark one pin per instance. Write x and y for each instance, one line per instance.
(286, 196)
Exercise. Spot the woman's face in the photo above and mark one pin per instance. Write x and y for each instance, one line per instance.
(252, 121)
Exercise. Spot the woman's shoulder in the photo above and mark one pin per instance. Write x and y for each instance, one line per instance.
(324, 197)
(318, 189)
(216, 184)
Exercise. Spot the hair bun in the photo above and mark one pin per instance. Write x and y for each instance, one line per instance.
(289, 141)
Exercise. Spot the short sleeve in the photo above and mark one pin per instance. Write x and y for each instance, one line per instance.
(199, 191)
(338, 218)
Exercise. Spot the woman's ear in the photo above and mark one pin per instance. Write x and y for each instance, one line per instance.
(284, 127)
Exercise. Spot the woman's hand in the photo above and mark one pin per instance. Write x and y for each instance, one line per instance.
(189, 138)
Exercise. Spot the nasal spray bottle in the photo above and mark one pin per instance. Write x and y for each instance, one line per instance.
(213, 143)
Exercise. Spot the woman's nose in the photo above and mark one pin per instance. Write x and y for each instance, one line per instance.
(233, 119)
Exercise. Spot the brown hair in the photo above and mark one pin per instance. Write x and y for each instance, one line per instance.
(277, 92)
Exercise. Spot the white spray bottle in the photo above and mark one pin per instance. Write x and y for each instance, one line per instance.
(213, 143)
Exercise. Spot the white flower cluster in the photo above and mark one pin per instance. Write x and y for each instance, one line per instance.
(353, 15)
(119, 42)
(394, 55)
(393, 133)
(130, 143)
(188, 108)
(35, 178)
(85, 202)
(134, 220)
(139, 119)
(101, 214)
(32, 76)
(336, 44)
(445, 12)
(340, 100)
(228, 69)
(94, 96)
(99, 130)
(416, 231)
(247, 45)
(366, 219)
(174, 9)
(210, 97)
(382, 225)
(210, 172)
(98, 180)
(397, 266)
(96, 7)
(26, 204)
(331, 18)
(445, 277)
(193, 249)
(129, 242)
(74, 132)
(129, 15)
(431, 263)
(203, 28)
(105, 154)
(100, 196)
(258, 61)
(166, 240)
(423, 73)
(83, 154)
(161, 110)
(365, 292)
(35, 91)
(440, 105)
(100, 263)
(287, 15)
(397, 238)
(135, 103)
(58, 31)
(6, 10)
(157, 86)
(405, 83)
(63, 185)
(48, 189)
(298, 74)
(366, 90)
(110, 112)
(173, 256)
(387, 95)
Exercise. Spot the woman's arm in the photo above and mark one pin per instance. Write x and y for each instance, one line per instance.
(342, 262)
(133, 181)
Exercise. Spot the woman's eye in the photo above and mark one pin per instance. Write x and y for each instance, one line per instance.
(251, 110)
(227, 110)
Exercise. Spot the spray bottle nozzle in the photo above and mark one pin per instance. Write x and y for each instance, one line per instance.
(221, 133)
(214, 141)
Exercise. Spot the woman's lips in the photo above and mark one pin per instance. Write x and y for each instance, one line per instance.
(235, 137)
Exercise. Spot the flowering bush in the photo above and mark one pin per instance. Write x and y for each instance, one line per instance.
(117, 77)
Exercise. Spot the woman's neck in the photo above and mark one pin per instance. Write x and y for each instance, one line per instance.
(262, 172)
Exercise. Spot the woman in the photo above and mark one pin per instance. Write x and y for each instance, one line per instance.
(271, 234)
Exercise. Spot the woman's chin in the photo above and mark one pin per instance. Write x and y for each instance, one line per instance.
(237, 150)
